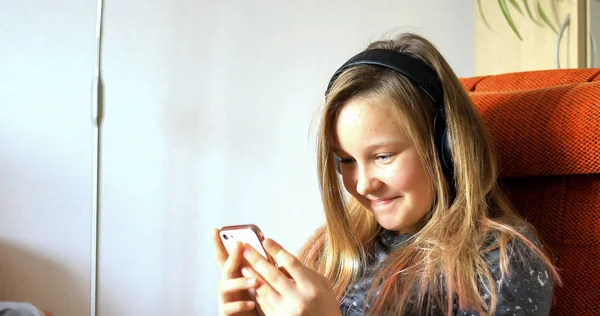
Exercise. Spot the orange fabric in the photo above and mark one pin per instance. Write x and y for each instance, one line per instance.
(546, 126)
(471, 83)
(551, 131)
(530, 80)
(565, 210)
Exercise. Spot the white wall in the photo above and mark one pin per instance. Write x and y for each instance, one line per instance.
(208, 110)
(46, 62)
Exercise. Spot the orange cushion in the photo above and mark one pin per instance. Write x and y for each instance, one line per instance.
(546, 126)
(548, 131)
(565, 210)
(530, 80)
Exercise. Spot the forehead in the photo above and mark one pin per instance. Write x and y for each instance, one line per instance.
(365, 120)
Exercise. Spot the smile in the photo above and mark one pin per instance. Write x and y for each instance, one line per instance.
(383, 202)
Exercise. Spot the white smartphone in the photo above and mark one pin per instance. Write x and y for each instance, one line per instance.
(246, 234)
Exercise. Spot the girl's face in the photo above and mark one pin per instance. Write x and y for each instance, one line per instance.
(381, 167)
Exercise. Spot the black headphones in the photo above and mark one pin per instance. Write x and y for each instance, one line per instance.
(426, 79)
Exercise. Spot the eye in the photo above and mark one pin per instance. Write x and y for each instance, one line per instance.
(345, 161)
(384, 157)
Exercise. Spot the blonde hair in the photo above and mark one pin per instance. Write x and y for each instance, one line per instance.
(447, 253)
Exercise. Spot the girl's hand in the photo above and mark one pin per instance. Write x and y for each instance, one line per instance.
(234, 298)
(303, 292)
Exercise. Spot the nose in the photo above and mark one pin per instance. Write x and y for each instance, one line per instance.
(367, 182)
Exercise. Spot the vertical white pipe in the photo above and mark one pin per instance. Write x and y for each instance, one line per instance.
(96, 120)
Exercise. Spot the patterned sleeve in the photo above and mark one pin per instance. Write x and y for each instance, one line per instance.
(528, 289)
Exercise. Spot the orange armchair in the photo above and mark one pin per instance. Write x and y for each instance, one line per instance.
(546, 126)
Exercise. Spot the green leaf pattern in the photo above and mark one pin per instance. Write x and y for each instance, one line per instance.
(508, 18)
(515, 5)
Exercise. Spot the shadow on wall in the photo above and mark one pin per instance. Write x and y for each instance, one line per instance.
(28, 277)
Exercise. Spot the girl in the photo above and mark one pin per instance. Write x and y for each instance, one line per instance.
(424, 230)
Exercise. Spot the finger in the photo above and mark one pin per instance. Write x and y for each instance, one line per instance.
(249, 273)
(264, 308)
(228, 286)
(269, 273)
(237, 307)
(286, 260)
(232, 265)
(265, 295)
(220, 251)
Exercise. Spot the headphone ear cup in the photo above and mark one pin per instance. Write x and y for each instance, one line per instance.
(445, 149)
(445, 152)
(444, 145)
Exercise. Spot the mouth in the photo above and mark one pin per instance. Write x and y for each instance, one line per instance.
(383, 202)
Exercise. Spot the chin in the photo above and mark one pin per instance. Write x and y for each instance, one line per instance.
(398, 224)
(389, 226)
(389, 223)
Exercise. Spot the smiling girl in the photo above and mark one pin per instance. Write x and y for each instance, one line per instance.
(425, 228)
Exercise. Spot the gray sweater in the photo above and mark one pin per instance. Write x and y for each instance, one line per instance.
(528, 290)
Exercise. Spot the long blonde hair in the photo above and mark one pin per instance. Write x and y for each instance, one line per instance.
(444, 260)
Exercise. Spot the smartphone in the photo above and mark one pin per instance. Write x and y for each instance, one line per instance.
(246, 234)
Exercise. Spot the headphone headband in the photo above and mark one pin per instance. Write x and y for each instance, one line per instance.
(412, 68)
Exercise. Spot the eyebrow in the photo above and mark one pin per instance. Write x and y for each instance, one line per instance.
(375, 144)
(385, 143)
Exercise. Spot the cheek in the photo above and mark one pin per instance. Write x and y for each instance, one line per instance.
(409, 176)
(349, 184)
(401, 179)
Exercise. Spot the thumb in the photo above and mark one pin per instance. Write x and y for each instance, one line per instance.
(285, 260)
